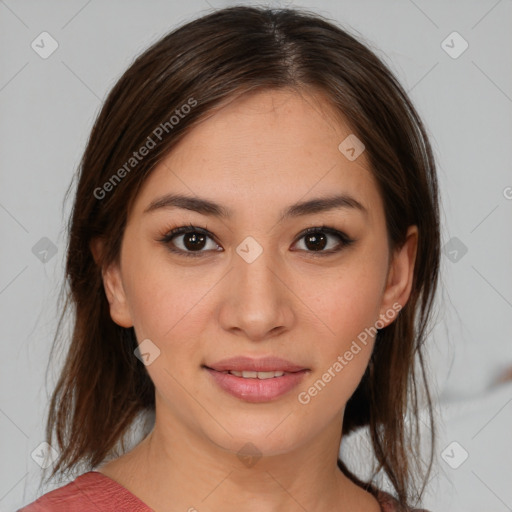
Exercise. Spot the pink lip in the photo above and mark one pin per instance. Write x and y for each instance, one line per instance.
(266, 364)
(257, 390)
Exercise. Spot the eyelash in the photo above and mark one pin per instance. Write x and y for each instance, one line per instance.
(181, 230)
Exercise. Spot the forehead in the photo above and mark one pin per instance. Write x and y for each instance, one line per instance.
(264, 150)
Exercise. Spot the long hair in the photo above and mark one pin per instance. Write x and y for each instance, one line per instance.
(213, 59)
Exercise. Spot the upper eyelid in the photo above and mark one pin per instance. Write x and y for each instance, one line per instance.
(206, 231)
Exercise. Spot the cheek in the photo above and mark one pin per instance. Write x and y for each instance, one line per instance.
(343, 348)
(165, 299)
(348, 308)
(349, 302)
(344, 355)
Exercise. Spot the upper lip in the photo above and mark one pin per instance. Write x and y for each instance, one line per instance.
(265, 364)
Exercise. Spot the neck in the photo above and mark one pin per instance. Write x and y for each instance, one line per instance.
(176, 465)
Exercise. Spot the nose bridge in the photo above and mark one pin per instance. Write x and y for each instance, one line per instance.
(257, 302)
(255, 271)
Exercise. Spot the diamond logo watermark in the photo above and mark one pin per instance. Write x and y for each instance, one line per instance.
(454, 45)
(454, 455)
(351, 147)
(44, 249)
(249, 454)
(454, 249)
(147, 352)
(44, 45)
(44, 455)
(249, 249)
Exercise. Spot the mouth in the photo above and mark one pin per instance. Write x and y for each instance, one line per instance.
(248, 374)
(256, 386)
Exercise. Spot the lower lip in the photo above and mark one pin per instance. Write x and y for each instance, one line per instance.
(257, 390)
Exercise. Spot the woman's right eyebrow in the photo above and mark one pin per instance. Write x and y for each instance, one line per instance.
(208, 207)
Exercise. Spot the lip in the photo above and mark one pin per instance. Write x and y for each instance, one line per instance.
(256, 390)
(265, 364)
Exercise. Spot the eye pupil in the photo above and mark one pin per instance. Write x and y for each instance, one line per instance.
(194, 241)
(315, 241)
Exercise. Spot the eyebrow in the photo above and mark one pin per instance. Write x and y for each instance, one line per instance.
(207, 207)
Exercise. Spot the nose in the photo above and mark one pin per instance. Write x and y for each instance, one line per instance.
(256, 299)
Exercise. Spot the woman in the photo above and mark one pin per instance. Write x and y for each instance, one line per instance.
(253, 256)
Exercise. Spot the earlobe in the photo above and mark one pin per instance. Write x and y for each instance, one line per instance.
(400, 277)
(113, 285)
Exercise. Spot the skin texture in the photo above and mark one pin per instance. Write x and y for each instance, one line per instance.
(256, 156)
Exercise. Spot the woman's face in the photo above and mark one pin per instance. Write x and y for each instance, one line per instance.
(250, 283)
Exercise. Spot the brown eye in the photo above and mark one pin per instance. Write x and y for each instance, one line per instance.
(194, 241)
(189, 241)
(317, 240)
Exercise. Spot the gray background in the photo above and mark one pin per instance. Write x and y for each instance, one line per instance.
(47, 107)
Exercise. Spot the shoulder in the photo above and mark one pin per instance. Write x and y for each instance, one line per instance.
(389, 504)
(87, 489)
(68, 497)
(90, 491)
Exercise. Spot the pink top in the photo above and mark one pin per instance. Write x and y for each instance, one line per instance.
(95, 492)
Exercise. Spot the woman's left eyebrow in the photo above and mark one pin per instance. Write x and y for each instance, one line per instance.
(208, 207)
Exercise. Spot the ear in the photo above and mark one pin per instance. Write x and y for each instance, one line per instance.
(400, 278)
(113, 285)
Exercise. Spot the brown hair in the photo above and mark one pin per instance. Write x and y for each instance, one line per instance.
(103, 386)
